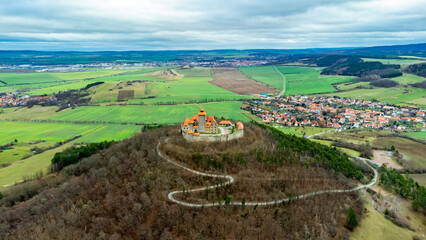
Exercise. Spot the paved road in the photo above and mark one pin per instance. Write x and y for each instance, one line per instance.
(230, 180)
(282, 75)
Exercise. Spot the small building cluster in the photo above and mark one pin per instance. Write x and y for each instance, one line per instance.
(200, 123)
(209, 128)
(334, 112)
(12, 99)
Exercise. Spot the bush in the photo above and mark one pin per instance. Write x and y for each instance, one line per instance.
(384, 83)
(352, 221)
(93, 84)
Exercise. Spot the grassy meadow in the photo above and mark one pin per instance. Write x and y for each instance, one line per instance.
(299, 80)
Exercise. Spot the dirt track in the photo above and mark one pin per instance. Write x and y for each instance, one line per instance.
(233, 80)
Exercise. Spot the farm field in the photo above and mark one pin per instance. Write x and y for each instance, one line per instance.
(163, 114)
(48, 83)
(233, 80)
(110, 133)
(299, 80)
(69, 85)
(22, 78)
(187, 90)
(397, 95)
(195, 72)
(20, 150)
(50, 134)
(28, 167)
(403, 62)
(26, 114)
(408, 79)
(421, 135)
(109, 91)
(34, 131)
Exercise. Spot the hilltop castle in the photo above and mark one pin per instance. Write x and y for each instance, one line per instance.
(200, 123)
(209, 129)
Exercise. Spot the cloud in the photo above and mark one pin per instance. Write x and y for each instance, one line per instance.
(194, 24)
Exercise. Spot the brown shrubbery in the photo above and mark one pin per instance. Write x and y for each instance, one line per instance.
(122, 193)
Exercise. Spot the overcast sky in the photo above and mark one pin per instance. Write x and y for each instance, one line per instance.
(199, 24)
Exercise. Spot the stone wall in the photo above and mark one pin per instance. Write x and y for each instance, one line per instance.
(213, 137)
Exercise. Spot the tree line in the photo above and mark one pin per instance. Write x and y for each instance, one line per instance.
(330, 156)
(405, 186)
(75, 154)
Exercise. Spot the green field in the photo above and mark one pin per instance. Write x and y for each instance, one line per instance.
(21, 78)
(27, 167)
(109, 133)
(24, 113)
(408, 79)
(396, 95)
(163, 114)
(33, 131)
(186, 90)
(50, 134)
(299, 80)
(403, 62)
(49, 83)
(421, 134)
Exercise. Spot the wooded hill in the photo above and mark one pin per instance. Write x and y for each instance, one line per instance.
(121, 192)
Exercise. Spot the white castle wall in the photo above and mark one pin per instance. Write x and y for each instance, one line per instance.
(213, 137)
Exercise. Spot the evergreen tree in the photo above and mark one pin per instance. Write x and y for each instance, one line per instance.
(352, 221)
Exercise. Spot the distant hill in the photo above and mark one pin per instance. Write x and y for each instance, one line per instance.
(79, 57)
(385, 51)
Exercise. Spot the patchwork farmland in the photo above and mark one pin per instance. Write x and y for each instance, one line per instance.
(233, 80)
(299, 80)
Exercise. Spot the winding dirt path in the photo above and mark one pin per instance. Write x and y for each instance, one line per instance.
(230, 180)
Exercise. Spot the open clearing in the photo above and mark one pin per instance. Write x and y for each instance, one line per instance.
(299, 80)
(233, 80)
(413, 152)
(381, 157)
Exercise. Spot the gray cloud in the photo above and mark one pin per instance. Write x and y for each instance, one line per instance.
(192, 24)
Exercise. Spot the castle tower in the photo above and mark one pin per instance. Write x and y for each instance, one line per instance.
(202, 120)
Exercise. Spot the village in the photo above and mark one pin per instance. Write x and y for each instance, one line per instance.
(12, 99)
(334, 112)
